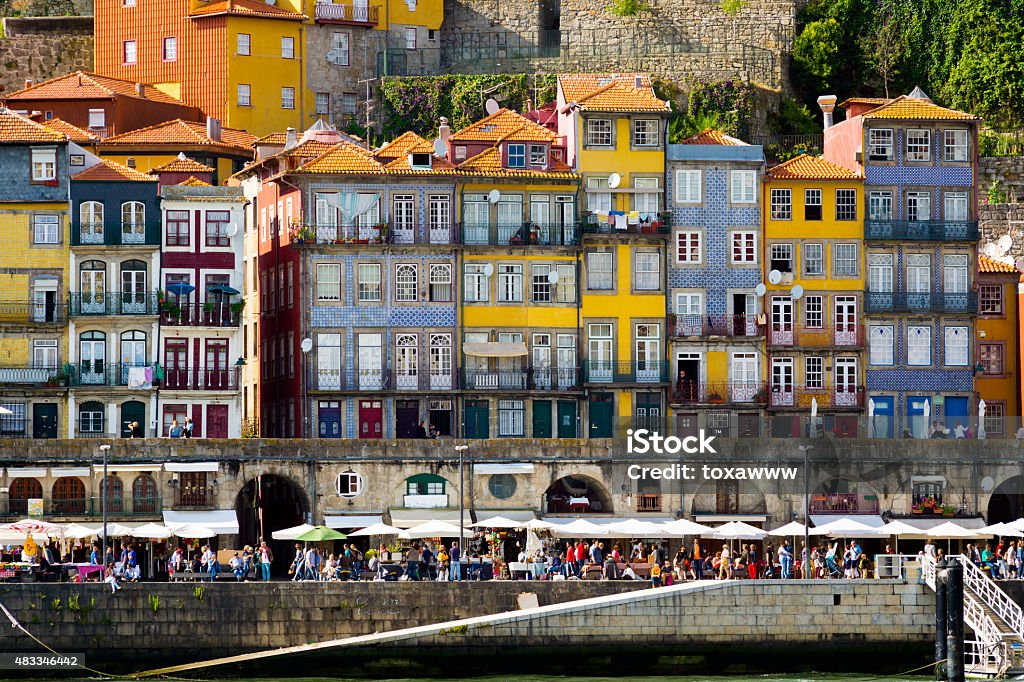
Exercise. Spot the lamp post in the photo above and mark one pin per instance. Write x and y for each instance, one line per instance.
(103, 501)
(807, 509)
(461, 449)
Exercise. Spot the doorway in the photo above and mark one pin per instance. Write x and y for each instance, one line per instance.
(44, 420)
(542, 419)
(602, 407)
(477, 419)
(268, 503)
(371, 419)
(686, 381)
(329, 417)
(567, 419)
(132, 411)
(407, 416)
(217, 421)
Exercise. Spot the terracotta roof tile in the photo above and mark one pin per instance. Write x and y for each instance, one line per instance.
(194, 182)
(183, 164)
(489, 163)
(402, 166)
(618, 96)
(990, 265)
(343, 157)
(245, 8)
(84, 85)
(74, 133)
(576, 86)
(806, 167)
(864, 100)
(912, 108)
(711, 136)
(504, 124)
(185, 134)
(15, 129)
(308, 149)
(403, 144)
(273, 139)
(108, 171)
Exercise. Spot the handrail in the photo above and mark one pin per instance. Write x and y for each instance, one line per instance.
(993, 596)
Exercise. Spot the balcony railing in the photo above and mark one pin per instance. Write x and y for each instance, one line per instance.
(33, 376)
(828, 397)
(653, 372)
(838, 336)
(87, 506)
(384, 233)
(330, 13)
(844, 503)
(660, 224)
(929, 301)
(114, 303)
(520, 234)
(116, 234)
(922, 230)
(648, 502)
(201, 379)
(31, 312)
(525, 379)
(101, 373)
(200, 314)
(727, 393)
(193, 496)
(730, 326)
(413, 379)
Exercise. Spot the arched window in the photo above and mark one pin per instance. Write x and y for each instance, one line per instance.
(133, 287)
(114, 494)
(133, 349)
(23, 490)
(133, 222)
(90, 417)
(90, 215)
(92, 350)
(92, 280)
(144, 497)
(68, 496)
(425, 484)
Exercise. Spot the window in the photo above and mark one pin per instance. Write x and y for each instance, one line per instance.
(349, 484)
(919, 206)
(645, 132)
(846, 204)
(598, 202)
(322, 103)
(813, 315)
(880, 272)
(406, 282)
(880, 145)
(744, 184)
(995, 414)
(90, 222)
(460, 152)
(688, 186)
(990, 356)
(510, 283)
(688, 247)
(510, 417)
(517, 156)
(339, 46)
(170, 48)
(369, 284)
(990, 299)
(46, 229)
(880, 345)
(954, 273)
(410, 38)
(954, 145)
(648, 271)
(425, 484)
(813, 257)
(97, 118)
(599, 132)
(288, 48)
(243, 43)
(600, 271)
(439, 216)
(287, 98)
(880, 205)
(782, 204)
(957, 342)
(44, 164)
(12, 422)
(290, 278)
(814, 376)
(541, 285)
(348, 103)
(328, 282)
(244, 95)
(538, 155)
(217, 228)
(177, 228)
(782, 257)
(919, 346)
(44, 354)
(133, 222)
(440, 283)
(565, 290)
(646, 202)
(130, 52)
(502, 486)
(744, 248)
(955, 206)
(812, 204)
(845, 260)
(919, 145)
(477, 284)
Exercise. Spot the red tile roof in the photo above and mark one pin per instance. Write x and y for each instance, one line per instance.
(179, 133)
(403, 144)
(74, 133)
(488, 163)
(711, 136)
(806, 167)
(16, 129)
(905, 107)
(245, 8)
(183, 164)
(991, 266)
(194, 182)
(108, 171)
(503, 125)
(84, 85)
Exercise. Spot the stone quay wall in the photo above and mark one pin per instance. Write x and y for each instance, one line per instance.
(39, 48)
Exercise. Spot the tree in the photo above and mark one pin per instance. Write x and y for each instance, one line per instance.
(885, 48)
(816, 52)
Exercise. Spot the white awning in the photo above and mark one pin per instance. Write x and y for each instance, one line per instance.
(128, 467)
(351, 521)
(224, 521)
(26, 472)
(927, 523)
(58, 472)
(514, 468)
(873, 520)
(941, 480)
(191, 466)
(512, 514)
(409, 518)
(602, 520)
(495, 349)
(725, 518)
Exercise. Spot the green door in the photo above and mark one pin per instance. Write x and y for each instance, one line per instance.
(542, 419)
(132, 411)
(601, 409)
(567, 419)
(477, 419)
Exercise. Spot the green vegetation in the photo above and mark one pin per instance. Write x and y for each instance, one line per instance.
(726, 106)
(627, 8)
(996, 195)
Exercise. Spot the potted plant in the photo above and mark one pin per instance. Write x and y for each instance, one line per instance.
(238, 306)
(948, 510)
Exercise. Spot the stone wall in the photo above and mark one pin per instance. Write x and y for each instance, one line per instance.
(44, 47)
(1008, 170)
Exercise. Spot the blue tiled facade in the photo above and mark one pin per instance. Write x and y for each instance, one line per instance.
(16, 170)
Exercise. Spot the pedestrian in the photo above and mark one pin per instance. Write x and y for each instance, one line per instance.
(132, 571)
(188, 428)
(655, 575)
(443, 564)
(697, 559)
(266, 557)
(111, 579)
(175, 431)
(209, 563)
(723, 563)
(412, 562)
(421, 430)
(94, 555)
(298, 562)
(455, 557)
(237, 566)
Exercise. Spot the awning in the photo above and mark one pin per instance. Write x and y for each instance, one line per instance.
(725, 518)
(408, 518)
(224, 521)
(128, 467)
(58, 472)
(873, 520)
(26, 472)
(930, 522)
(513, 514)
(191, 466)
(495, 349)
(515, 468)
(602, 520)
(941, 480)
(351, 521)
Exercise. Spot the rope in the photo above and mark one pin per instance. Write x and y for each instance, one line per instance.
(18, 626)
(900, 675)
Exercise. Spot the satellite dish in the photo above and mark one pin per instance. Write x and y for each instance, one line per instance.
(489, 269)
(306, 345)
(553, 277)
(493, 196)
(232, 230)
(774, 276)
(491, 106)
(797, 292)
(1019, 264)
(440, 148)
(990, 250)
(1005, 243)
(614, 180)
(987, 484)
(760, 289)
(332, 56)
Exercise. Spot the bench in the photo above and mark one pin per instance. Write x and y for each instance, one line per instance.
(230, 575)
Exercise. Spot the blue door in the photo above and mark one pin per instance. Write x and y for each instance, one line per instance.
(884, 421)
(917, 423)
(955, 409)
(329, 413)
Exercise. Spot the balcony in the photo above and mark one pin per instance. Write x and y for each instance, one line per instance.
(828, 397)
(31, 312)
(844, 503)
(929, 301)
(201, 379)
(726, 393)
(658, 225)
(413, 379)
(114, 303)
(525, 379)
(383, 233)
(100, 373)
(352, 15)
(654, 372)
(200, 314)
(33, 376)
(92, 507)
(648, 502)
(192, 496)
(829, 336)
(116, 234)
(921, 230)
(521, 234)
(727, 326)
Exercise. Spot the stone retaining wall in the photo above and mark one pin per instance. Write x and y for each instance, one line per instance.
(39, 48)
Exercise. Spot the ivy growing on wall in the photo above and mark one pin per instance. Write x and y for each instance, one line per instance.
(726, 106)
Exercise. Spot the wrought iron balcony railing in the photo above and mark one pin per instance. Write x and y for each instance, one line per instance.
(114, 303)
(829, 336)
(201, 378)
(102, 373)
(200, 314)
(929, 301)
(922, 230)
(729, 326)
(725, 393)
(383, 233)
(653, 372)
(359, 15)
(523, 379)
(828, 397)
(116, 233)
(32, 312)
(520, 234)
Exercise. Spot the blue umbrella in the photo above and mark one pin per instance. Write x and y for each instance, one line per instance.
(180, 288)
(223, 289)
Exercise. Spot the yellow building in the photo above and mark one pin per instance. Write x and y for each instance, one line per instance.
(997, 370)
(814, 274)
(34, 284)
(613, 128)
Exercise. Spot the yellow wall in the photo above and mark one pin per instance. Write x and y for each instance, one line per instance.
(1005, 329)
(428, 13)
(525, 314)
(266, 72)
(621, 159)
(147, 161)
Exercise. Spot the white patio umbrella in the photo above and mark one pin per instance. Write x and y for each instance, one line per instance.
(540, 524)
(846, 527)
(34, 526)
(115, 530)
(737, 530)
(498, 522)
(435, 529)
(291, 533)
(951, 531)
(74, 531)
(1018, 524)
(635, 528)
(580, 528)
(1003, 530)
(5, 411)
(982, 407)
(898, 528)
(193, 531)
(871, 417)
(376, 529)
(151, 531)
(927, 417)
(793, 528)
(814, 417)
(681, 527)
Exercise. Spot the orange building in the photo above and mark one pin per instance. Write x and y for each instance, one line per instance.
(997, 378)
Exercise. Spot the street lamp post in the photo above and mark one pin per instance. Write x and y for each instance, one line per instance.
(461, 449)
(807, 510)
(103, 501)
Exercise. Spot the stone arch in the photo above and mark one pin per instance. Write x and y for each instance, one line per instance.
(557, 498)
(268, 503)
(1007, 501)
(844, 495)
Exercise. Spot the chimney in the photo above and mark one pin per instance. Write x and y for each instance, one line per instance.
(639, 82)
(291, 138)
(28, 82)
(140, 90)
(827, 103)
(443, 131)
(213, 128)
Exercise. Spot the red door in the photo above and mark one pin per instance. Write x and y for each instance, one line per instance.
(371, 419)
(216, 421)
(217, 364)
(176, 364)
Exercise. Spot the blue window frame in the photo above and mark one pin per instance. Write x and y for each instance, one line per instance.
(517, 156)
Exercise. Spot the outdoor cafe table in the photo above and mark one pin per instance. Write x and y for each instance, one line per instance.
(86, 572)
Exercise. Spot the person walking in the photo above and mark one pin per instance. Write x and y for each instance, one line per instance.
(265, 558)
(786, 560)
(455, 557)
(412, 562)
(697, 559)
(298, 563)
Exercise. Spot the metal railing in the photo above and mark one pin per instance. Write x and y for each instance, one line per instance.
(193, 496)
(100, 373)
(116, 233)
(200, 314)
(523, 379)
(932, 301)
(729, 326)
(114, 303)
(382, 233)
(828, 336)
(660, 223)
(922, 230)
(648, 502)
(827, 396)
(31, 312)
(727, 393)
(34, 376)
(410, 379)
(201, 379)
(520, 234)
(123, 506)
(653, 372)
(844, 503)
(330, 13)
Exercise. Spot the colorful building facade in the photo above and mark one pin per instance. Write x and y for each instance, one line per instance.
(997, 369)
